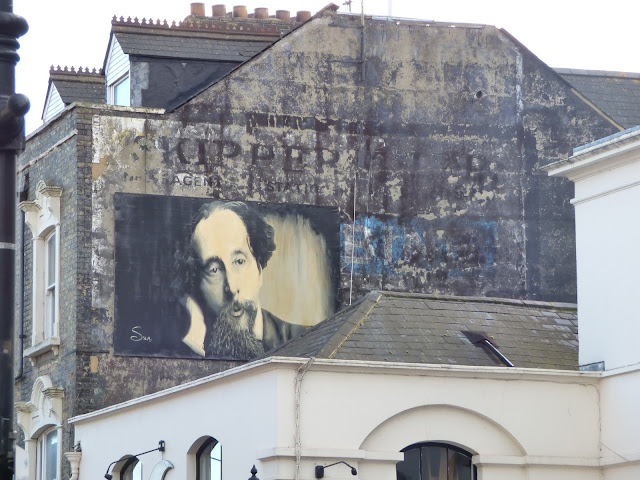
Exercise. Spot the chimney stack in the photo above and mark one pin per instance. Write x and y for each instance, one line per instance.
(261, 13)
(283, 15)
(303, 16)
(197, 9)
(240, 11)
(219, 10)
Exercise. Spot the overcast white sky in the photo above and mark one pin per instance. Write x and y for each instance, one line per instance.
(586, 34)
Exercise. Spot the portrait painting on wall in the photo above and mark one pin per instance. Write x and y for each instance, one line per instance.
(203, 278)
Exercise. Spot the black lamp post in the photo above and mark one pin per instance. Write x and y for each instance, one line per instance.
(12, 110)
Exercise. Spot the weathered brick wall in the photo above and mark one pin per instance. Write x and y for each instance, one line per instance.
(50, 155)
(62, 155)
(440, 134)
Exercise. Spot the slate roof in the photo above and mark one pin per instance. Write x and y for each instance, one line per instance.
(415, 328)
(78, 86)
(200, 38)
(192, 48)
(615, 93)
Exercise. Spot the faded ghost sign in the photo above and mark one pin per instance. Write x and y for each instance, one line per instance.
(196, 277)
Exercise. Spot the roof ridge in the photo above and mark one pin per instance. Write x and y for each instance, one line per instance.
(243, 26)
(597, 73)
(71, 71)
(496, 300)
(348, 328)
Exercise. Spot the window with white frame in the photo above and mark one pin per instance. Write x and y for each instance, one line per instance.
(117, 74)
(209, 460)
(50, 280)
(435, 461)
(121, 92)
(47, 455)
(205, 459)
(41, 422)
(132, 470)
(43, 218)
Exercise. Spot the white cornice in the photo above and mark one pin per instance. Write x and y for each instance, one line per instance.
(357, 366)
(597, 157)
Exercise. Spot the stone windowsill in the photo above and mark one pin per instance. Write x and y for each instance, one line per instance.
(51, 344)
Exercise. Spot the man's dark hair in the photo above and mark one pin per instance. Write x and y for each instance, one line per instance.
(261, 243)
(261, 234)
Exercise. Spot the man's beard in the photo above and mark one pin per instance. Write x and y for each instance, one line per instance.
(228, 339)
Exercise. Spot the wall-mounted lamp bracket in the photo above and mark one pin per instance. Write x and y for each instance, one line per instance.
(160, 448)
(320, 469)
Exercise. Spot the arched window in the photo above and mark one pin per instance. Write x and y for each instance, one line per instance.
(131, 470)
(43, 218)
(209, 460)
(40, 421)
(47, 455)
(435, 461)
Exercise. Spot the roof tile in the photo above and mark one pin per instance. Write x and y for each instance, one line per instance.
(391, 326)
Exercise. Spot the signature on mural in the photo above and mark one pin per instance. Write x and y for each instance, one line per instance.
(138, 336)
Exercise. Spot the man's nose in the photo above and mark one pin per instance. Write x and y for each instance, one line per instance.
(232, 286)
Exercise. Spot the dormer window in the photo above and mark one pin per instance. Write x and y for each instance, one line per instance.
(121, 92)
(117, 75)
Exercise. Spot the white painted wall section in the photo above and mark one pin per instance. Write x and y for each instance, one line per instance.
(607, 205)
(516, 422)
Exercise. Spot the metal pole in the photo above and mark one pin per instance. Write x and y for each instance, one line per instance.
(12, 110)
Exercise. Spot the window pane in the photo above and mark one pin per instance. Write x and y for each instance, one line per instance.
(50, 312)
(409, 468)
(137, 471)
(461, 466)
(51, 260)
(209, 460)
(434, 463)
(132, 470)
(121, 93)
(51, 455)
(50, 287)
(204, 461)
(216, 462)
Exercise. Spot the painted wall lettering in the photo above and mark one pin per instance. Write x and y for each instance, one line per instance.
(388, 245)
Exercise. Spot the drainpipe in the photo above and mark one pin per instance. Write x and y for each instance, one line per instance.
(362, 60)
(297, 386)
(23, 196)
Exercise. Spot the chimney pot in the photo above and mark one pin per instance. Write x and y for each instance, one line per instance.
(197, 9)
(303, 16)
(283, 15)
(219, 10)
(261, 13)
(240, 11)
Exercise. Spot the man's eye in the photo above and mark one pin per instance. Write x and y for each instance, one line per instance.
(240, 261)
(211, 270)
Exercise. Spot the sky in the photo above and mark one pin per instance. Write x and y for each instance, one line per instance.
(582, 34)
